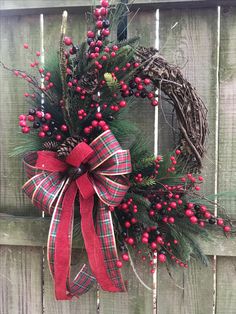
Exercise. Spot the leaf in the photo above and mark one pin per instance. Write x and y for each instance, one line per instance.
(111, 82)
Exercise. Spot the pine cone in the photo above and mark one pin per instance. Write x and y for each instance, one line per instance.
(66, 147)
(50, 145)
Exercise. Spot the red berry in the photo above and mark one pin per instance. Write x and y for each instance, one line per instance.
(102, 123)
(173, 205)
(178, 152)
(105, 32)
(38, 53)
(48, 116)
(227, 228)
(67, 41)
(94, 123)
(64, 128)
(136, 64)
(131, 241)
(98, 116)
(153, 245)
(41, 134)
(115, 48)
(119, 264)
(125, 257)
(159, 240)
(39, 114)
(122, 103)
(161, 258)
(103, 11)
(193, 219)
(90, 34)
(45, 127)
(189, 213)
(87, 130)
(99, 24)
(154, 103)
(25, 129)
(113, 54)
(171, 220)
(58, 137)
(26, 46)
(207, 215)
(200, 178)
(220, 222)
(145, 240)
(104, 3)
(147, 81)
(22, 123)
(127, 224)
(30, 118)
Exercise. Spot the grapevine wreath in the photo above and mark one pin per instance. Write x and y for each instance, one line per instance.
(82, 153)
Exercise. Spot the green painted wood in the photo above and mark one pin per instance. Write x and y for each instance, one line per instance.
(188, 291)
(226, 285)
(20, 280)
(227, 111)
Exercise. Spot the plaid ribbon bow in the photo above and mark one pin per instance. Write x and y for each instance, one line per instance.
(53, 185)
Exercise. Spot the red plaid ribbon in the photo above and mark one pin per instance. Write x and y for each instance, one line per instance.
(53, 187)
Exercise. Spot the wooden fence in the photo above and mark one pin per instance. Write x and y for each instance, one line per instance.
(201, 38)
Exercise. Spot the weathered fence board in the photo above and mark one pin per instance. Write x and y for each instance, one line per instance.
(227, 112)
(188, 39)
(226, 285)
(21, 267)
(20, 280)
(12, 104)
(185, 292)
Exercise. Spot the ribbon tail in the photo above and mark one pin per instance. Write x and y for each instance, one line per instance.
(63, 244)
(92, 245)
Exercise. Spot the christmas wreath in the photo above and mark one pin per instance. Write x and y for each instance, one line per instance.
(81, 152)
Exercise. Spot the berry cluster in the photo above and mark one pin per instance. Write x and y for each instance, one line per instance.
(42, 122)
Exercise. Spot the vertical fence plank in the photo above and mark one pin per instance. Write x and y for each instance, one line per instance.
(14, 31)
(186, 291)
(188, 38)
(227, 110)
(138, 300)
(20, 280)
(226, 274)
(226, 285)
(20, 267)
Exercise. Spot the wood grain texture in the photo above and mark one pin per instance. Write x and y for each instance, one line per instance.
(226, 285)
(188, 38)
(87, 304)
(227, 112)
(20, 267)
(20, 280)
(137, 299)
(13, 103)
(186, 292)
(31, 231)
(143, 24)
